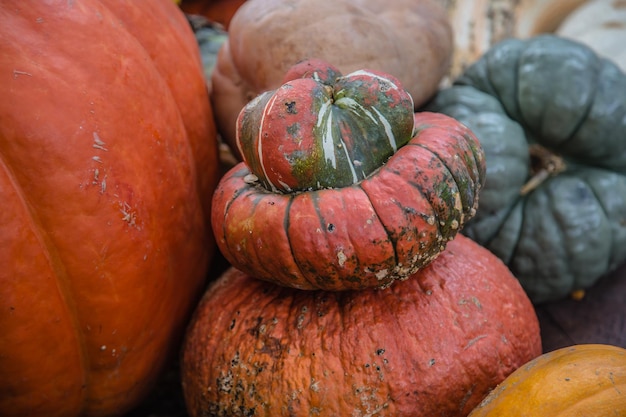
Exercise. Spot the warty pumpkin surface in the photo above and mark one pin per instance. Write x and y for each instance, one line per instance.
(578, 380)
(433, 345)
(410, 39)
(551, 117)
(365, 234)
(108, 160)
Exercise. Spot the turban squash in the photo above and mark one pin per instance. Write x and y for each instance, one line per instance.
(300, 210)
(578, 380)
(108, 159)
(432, 345)
(410, 39)
(551, 117)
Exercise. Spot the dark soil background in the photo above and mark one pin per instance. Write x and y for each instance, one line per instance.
(600, 317)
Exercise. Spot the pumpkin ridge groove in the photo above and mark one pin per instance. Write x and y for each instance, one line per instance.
(597, 196)
(573, 136)
(390, 238)
(286, 224)
(495, 91)
(518, 247)
(47, 249)
(238, 192)
(518, 238)
(307, 272)
(562, 238)
(428, 198)
(586, 117)
(505, 218)
(454, 177)
(323, 224)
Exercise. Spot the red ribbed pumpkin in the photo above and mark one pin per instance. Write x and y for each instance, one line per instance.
(433, 345)
(300, 211)
(108, 159)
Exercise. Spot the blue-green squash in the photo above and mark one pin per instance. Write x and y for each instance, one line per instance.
(551, 117)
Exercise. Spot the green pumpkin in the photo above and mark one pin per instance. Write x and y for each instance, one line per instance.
(551, 117)
(210, 36)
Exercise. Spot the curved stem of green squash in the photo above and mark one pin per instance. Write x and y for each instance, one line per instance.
(544, 164)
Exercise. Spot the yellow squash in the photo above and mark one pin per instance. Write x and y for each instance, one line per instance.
(575, 381)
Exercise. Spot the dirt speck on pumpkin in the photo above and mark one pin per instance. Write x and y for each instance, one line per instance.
(341, 258)
(380, 275)
(314, 386)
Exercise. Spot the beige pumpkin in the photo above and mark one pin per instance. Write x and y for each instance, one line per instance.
(409, 39)
(479, 24)
(601, 25)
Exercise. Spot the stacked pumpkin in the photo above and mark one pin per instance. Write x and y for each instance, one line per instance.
(352, 291)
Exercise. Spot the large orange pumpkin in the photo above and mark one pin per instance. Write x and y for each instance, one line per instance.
(433, 345)
(108, 160)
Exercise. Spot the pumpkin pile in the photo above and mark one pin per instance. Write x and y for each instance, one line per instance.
(363, 277)
(350, 291)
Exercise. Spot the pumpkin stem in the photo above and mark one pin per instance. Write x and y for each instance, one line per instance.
(543, 164)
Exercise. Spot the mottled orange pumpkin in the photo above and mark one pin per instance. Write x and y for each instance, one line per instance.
(108, 160)
(433, 345)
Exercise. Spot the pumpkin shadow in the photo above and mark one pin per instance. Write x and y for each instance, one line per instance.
(598, 318)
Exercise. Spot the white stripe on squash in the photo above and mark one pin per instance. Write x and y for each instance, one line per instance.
(328, 147)
(388, 131)
(371, 74)
(354, 106)
(267, 110)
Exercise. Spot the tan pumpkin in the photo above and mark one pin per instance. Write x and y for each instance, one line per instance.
(480, 24)
(433, 345)
(409, 39)
(601, 25)
(108, 161)
(579, 380)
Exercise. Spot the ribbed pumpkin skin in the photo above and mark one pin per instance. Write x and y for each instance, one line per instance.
(365, 235)
(433, 345)
(107, 155)
(323, 129)
(579, 380)
(571, 229)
